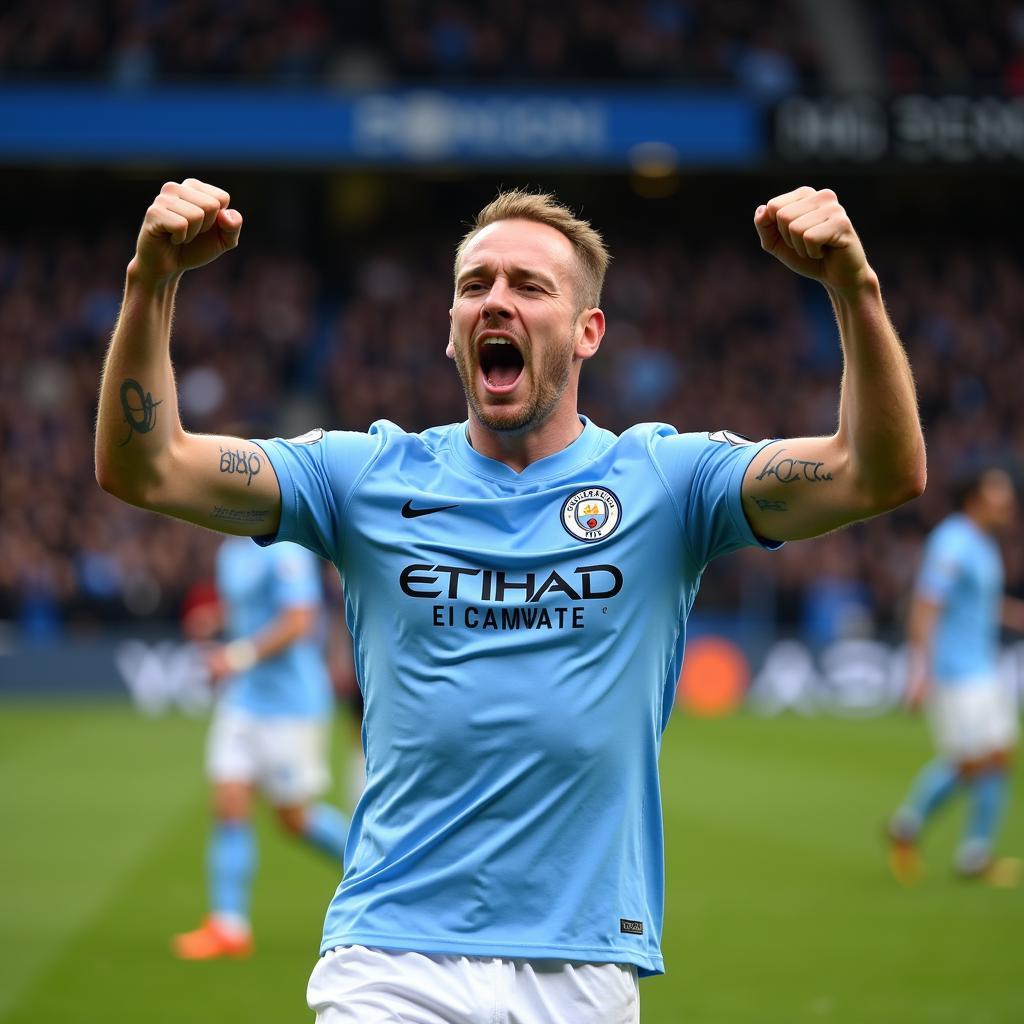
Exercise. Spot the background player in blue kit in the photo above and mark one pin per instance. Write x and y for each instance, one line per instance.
(517, 588)
(955, 619)
(270, 730)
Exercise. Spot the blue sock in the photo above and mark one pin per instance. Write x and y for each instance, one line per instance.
(327, 830)
(230, 863)
(934, 785)
(988, 798)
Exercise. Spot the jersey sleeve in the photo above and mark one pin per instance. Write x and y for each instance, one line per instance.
(704, 474)
(317, 474)
(941, 567)
(296, 577)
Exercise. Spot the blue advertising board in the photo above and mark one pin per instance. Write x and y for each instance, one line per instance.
(397, 128)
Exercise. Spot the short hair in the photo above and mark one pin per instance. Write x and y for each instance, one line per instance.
(969, 481)
(592, 254)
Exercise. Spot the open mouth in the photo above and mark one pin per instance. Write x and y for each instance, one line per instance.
(501, 363)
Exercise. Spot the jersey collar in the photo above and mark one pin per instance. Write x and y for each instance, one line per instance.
(574, 455)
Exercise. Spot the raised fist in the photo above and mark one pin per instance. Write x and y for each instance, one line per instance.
(189, 224)
(809, 232)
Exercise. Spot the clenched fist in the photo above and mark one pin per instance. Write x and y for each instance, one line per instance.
(188, 225)
(809, 232)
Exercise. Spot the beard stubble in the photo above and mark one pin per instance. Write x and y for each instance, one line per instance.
(549, 383)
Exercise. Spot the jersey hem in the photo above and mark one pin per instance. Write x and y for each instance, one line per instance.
(964, 680)
(646, 965)
(266, 712)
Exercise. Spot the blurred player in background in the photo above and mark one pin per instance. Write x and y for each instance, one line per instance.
(270, 730)
(518, 586)
(955, 618)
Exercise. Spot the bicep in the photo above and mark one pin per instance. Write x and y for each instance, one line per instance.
(223, 483)
(801, 487)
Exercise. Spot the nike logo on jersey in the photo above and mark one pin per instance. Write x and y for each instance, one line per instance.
(408, 512)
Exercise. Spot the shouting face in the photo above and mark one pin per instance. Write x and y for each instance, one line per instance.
(517, 336)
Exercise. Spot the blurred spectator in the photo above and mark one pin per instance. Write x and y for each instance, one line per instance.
(134, 43)
(950, 45)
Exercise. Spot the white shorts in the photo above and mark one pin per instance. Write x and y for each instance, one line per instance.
(973, 719)
(358, 985)
(286, 758)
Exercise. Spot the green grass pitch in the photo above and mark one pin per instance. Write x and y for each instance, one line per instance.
(779, 910)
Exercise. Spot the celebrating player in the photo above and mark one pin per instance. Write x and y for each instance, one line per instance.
(954, 651)
(518, 587)
(269, 733)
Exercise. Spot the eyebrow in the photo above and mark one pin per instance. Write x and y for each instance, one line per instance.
(514, 272)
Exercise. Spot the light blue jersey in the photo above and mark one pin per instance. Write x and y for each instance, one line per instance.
(256, 585)
(517, 638)
(963, 571)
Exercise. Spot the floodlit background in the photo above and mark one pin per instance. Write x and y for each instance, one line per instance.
(358, 140)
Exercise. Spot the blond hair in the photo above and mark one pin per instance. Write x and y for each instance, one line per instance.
(542, 207)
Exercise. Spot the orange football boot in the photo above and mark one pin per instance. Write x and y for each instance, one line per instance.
(905, 863)
(211, 941)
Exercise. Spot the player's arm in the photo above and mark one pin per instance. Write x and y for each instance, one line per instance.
(924, 615)
(803, 487)
(278, 635)
(143, 455)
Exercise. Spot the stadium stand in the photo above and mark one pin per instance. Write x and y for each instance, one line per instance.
(704, 355)
(740, 43)
(950, 44)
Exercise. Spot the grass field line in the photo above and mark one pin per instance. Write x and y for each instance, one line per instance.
(68, 851)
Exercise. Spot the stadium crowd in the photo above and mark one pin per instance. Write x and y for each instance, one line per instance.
(699, 340)
(136, 43)
(767, 49)
(952, 45)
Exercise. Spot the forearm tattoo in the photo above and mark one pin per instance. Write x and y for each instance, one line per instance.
(138, 407)
(237, 460)
(767, 505)
(238, 515)
(789, 470)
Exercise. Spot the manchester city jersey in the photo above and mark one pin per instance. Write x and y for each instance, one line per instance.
(963, 572)
(256, 586)
(517, 638)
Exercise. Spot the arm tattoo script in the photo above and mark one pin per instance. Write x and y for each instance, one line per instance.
(789, 470)
(239, 461)
(138, 407)
(238, 515)
(767, 505)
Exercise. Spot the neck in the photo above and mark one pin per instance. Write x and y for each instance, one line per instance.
(518, 450)
(979, 522)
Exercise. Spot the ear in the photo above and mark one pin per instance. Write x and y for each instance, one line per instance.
(449, 350)
(590, 325)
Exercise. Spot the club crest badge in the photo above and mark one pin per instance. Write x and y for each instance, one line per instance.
(591, 513)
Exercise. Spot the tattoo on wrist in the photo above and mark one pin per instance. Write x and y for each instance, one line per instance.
(138, 407)
(789, 470)
(767, 505)
(248, 464)
(240, 515)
